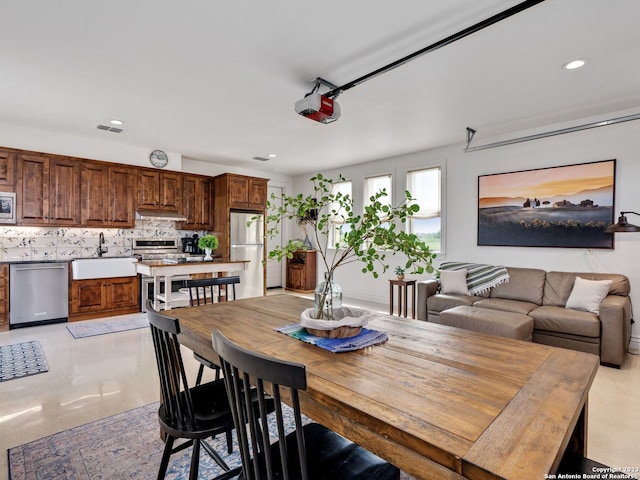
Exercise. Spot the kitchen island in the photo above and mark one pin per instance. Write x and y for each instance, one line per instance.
(159, 269)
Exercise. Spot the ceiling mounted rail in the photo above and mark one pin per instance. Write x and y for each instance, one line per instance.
(471, 132)
(446, 41)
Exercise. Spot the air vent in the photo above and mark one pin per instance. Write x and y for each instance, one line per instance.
(261, 159)
(109, 129)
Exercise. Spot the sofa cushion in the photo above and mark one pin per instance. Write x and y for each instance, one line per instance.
(515, 306)
(560, 319)
(443, 301)
(558, 285)
(564, 340)
(454, 281)
(526, 284)
(491, 322)
(587, 295)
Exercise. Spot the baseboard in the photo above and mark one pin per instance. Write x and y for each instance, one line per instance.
(634, 345)
(378, 303)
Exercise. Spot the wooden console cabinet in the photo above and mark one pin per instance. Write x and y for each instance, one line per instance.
(301, 272)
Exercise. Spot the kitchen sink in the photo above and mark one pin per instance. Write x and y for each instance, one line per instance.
(87, 268)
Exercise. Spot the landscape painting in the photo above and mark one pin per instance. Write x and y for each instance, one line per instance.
(567, 206)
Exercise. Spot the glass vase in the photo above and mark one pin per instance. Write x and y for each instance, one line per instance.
(307, 243)
(327, 299)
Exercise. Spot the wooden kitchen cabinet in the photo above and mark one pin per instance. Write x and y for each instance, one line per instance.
(102, 297)
(159, 190)
(245, 192)
(4, 297)
(47, 191)
(301, 272)
(197, 202)
(7, 168)
(106, 193)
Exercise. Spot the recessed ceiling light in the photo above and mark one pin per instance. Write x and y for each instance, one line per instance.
(116, 122)
(272, 155)
(573, 64)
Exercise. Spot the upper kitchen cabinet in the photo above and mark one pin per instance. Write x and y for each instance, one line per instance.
(196, 202)
(159, 190)
(241, 192)
(47, 190)
(106, 194)
(7, 168)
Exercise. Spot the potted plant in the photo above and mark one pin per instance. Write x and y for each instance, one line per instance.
(208, 243)
(399, 272)
(368, 237)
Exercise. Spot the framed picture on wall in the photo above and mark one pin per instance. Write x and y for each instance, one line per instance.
(567, 206)
(7, 207)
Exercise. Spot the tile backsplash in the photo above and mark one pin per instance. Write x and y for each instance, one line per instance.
(61, 243)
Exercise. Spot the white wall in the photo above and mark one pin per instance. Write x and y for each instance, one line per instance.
(106, 149)
(462, 170)
(111, 149)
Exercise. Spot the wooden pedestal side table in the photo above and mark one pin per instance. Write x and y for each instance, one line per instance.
(403, 293)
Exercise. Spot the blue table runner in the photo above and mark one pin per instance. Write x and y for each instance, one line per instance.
(365, 338)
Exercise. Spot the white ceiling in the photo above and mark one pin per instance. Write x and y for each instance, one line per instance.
(216, 81)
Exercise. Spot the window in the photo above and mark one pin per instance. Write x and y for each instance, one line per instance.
(338, 228)
(373, 185)
(424, 186)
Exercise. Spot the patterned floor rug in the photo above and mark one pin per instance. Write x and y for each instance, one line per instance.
(116, 324)
(124, 446)
(21, 360)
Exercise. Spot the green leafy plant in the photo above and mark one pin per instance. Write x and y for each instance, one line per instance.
(399, 270)
(208, 241)
(369, 237)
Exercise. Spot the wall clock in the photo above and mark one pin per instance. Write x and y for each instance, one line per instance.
(158, 159)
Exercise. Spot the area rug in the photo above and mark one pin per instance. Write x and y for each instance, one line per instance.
(21, 360)
(124, 446)
(116, 324)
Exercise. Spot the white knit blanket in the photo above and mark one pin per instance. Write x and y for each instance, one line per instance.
(480, 277)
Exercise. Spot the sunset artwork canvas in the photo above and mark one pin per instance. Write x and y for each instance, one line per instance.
(567, 206)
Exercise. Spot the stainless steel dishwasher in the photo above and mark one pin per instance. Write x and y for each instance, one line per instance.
(38, 293)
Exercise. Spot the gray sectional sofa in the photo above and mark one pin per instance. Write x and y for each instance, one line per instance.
(542, 296)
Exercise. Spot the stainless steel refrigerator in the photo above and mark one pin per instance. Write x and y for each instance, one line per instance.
(247, 243)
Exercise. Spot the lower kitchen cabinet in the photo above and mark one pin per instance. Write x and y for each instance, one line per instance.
(103, 297)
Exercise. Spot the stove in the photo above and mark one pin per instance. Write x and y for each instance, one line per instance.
(162, 249)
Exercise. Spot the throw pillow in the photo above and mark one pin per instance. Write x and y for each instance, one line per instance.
(588, 294)
(454, 281)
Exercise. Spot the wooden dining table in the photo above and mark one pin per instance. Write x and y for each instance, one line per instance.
(436, 401)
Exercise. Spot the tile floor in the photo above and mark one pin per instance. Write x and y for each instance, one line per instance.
(94, 377)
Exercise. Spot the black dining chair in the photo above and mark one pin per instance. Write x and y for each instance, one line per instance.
(194, 414)
(200, 290)
(310, 452)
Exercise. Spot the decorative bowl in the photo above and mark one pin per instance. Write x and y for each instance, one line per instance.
(349, 322)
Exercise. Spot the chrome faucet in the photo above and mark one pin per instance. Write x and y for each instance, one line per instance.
(101, 250)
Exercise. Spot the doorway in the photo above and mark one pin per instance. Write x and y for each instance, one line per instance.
(274, 267)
